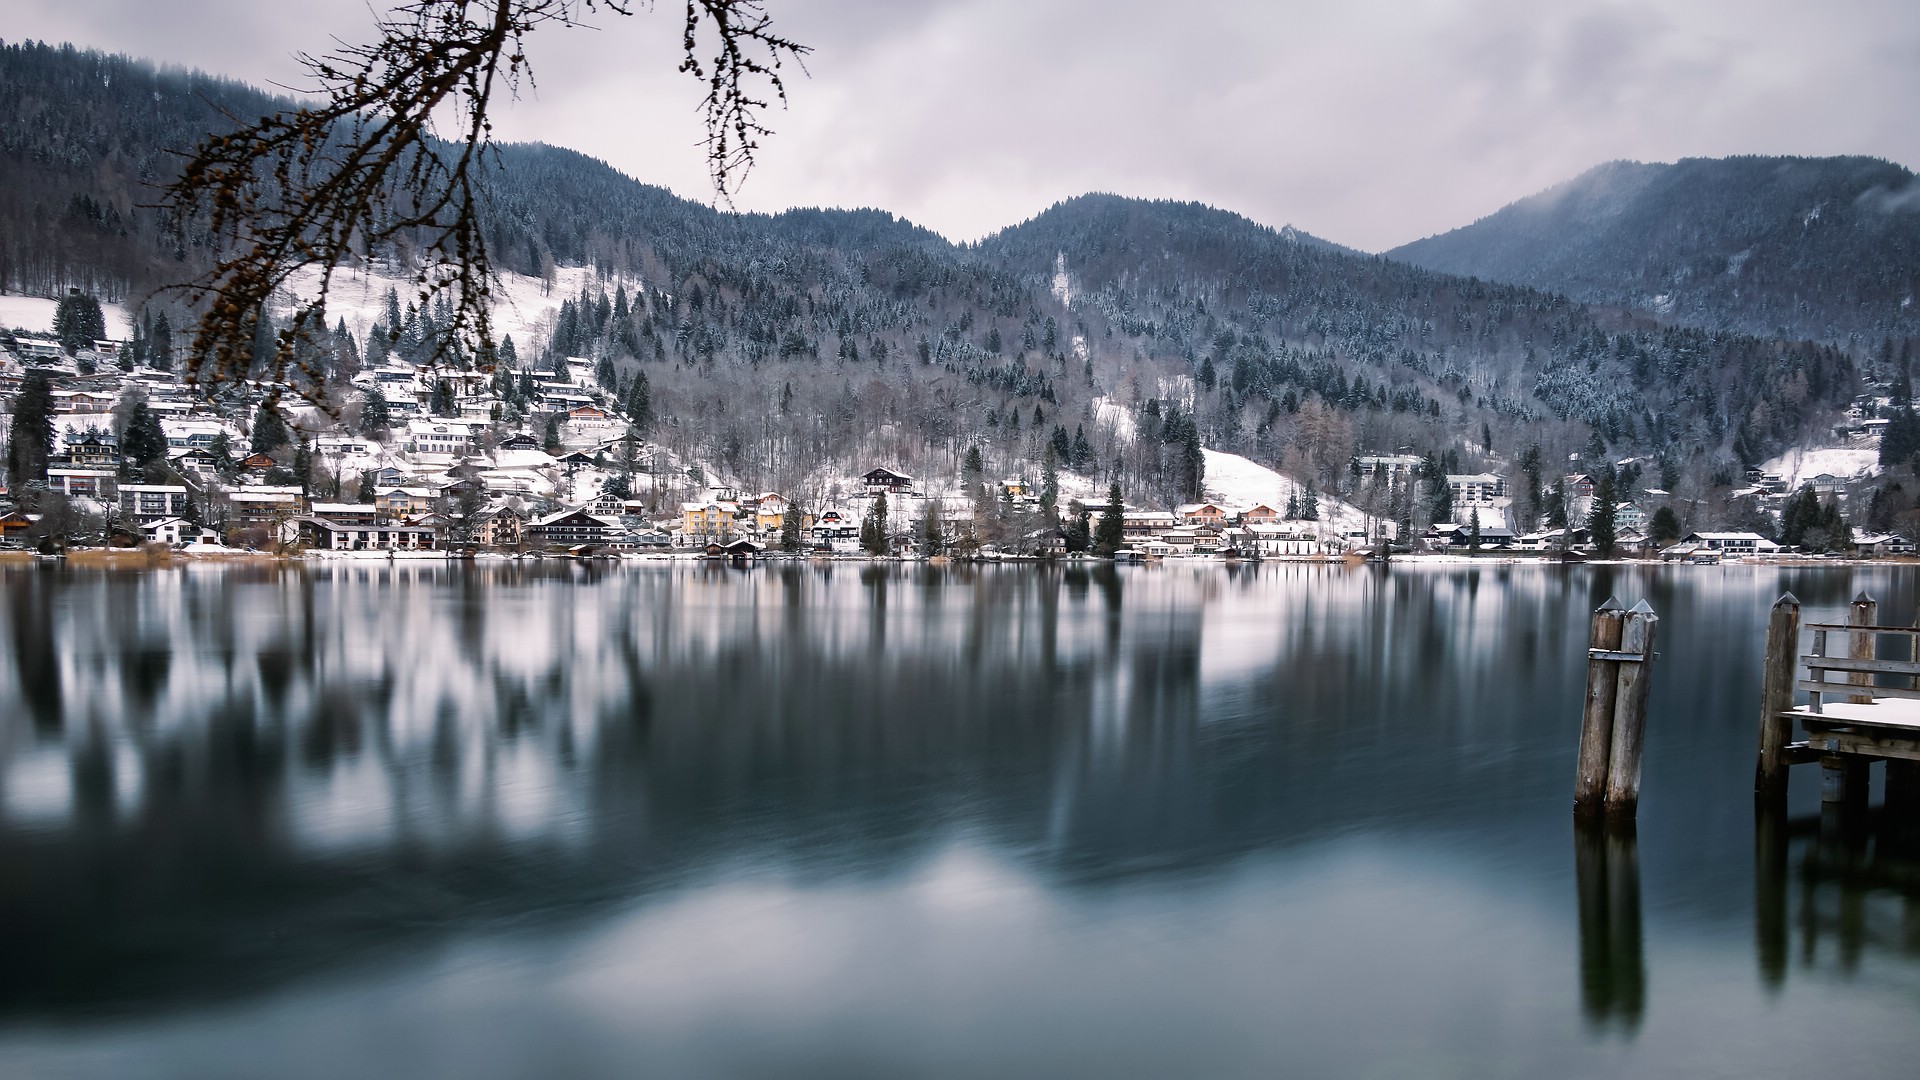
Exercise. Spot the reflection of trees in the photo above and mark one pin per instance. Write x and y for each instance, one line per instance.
(271, 771)
(261, 760)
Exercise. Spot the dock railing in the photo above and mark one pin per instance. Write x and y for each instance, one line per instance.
(1845, 740)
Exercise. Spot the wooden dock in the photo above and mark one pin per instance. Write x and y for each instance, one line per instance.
(1869, 716)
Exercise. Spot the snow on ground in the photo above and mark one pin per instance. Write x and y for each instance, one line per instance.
(1846, 462)
(1238, 482)
(34, 314)
(523, 307)
(1108, 413)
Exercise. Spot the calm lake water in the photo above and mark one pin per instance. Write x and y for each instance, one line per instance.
(886, 821)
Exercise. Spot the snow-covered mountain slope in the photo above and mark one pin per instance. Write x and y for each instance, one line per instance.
(1240, 482)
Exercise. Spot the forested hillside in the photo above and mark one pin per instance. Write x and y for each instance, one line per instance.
(1826, 248)
(1119, 334)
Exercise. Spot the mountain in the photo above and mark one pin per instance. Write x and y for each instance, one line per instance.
(1824, 248)
(789, 351)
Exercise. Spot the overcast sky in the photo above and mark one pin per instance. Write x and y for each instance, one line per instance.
(1366, 122)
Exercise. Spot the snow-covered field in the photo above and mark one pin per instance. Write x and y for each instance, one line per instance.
(523, 307)
(1239, 482)
(34, 314)
(1845, 462)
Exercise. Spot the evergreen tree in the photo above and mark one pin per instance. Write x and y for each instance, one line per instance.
(1557, 505)
(1081, 455)
(1799, 514)
(1601, 530)
(972, 470)
(873, 530)
(143, 444)
(639, 403)
(376, 420)
(221, 449)
(1664, 526)
(1901, 439)
(551, 444)
(1310, 506)
(1535, 496)
(78, 322)
(303, 465)
(269, 431)
(30, 439)
(1079, 527)
(791, 525)
(933, 531)
(1473, 533)
(1110, 536)
(1440, 498)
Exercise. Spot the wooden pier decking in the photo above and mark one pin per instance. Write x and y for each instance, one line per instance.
(1870, 716)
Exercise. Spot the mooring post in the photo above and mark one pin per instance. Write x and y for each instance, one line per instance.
(1630, 711)
(1862, 612)
(1902, 808)
(1596, 720)
(1843, 778)
(1776, 699)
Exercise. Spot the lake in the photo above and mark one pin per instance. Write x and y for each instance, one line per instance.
(1187, 820)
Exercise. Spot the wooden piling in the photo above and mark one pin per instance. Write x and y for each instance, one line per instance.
(1630, 711)
(1776, 698)
(1596, 720)
(1864, 611)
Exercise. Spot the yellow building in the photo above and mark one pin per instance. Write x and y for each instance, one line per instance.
(708, 520)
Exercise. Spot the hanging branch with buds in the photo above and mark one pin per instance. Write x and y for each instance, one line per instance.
(361, 172)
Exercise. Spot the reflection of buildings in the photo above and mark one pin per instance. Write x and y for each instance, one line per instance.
(420, 745)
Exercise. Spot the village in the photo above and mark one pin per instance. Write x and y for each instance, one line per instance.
(141, 459)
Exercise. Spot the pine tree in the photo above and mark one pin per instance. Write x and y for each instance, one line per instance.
(160, 344)
(933, 531)
(1473, 531)
(873, 530)
(78, 322)
(791, 525)
(375, 418)
(30, 439)
(1081, 456)
(1600, 522)
(1079, 527)
(303, 465)
(143, 444)
(269, 431)
(1111, 535)
(221, 449)
(1664, 526)
(639, 403)
(551, 444)
(972, 470)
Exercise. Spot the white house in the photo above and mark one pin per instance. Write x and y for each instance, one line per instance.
(171, 531)
(1732, 543)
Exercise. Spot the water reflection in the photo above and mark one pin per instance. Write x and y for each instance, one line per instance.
(224, 781)
(1613, 966)
(1854, 889)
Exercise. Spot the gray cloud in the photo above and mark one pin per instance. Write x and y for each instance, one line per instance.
(1370, 123)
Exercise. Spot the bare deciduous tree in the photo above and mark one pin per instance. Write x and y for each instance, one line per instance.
(361, 171)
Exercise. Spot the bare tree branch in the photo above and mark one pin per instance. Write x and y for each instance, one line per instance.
(362, 172)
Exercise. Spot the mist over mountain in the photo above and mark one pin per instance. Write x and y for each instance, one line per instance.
(1121, 334)
(1826, 248)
